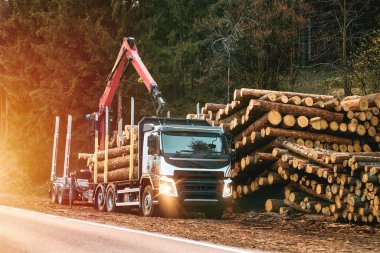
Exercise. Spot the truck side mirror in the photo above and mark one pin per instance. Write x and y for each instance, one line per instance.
(152, 144)
(231, 140)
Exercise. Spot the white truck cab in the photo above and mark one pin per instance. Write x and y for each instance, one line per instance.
(186, 164)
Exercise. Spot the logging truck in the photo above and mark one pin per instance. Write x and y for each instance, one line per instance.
(177, 163)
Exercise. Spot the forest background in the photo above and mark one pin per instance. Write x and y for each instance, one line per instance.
(55, 56)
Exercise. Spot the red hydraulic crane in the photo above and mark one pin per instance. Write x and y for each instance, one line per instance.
(127, 54)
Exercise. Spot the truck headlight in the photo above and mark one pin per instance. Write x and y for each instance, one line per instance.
(227, 189)
(167, 187)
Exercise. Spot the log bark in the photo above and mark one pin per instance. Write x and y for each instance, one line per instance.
(273, 118)
(296, 100)
(116, 163)
(355, 103)
(373, 99)
(257, 93)
(289, 121)
(273, 205)
(85, 156)
(306, 135)
(258, 105)
(214, 107)
(307, 101)
(302, 121)
(116, 152)
(296, 206)
(118, 175)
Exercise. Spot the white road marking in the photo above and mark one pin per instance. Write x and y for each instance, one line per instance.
(141, 232)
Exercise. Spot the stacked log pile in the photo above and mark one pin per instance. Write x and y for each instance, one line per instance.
(118, 158)
(322, 152)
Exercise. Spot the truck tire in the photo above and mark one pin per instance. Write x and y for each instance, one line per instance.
(62, 198)
(110, 198)
(147, 207)
(100, 200)
(215, 213)
(53, 194)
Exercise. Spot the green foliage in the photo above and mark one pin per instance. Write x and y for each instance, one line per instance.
(366, 66)
(55, 57)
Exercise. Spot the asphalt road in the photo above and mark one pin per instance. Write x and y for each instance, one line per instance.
(28, 231)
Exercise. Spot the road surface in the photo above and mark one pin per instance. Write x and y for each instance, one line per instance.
(28, 231)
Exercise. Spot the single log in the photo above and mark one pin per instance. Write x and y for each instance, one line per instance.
(118, 175)
(273, 118)
(263, 181)
(355, 103)
(319, 104)
(273, 205)
(282, 99)
(214, 107)
(296, 100)
(306, 135)
(258, 105)
(278, 152)
(257, 93)
(264, 157)
(334, 126)
(302, 121)
(269, 97)
(116, 163)
(374, 121)
(307, 101)
(116, 152)
(85, 156)
(289, 121)
(274, 178)
(373, 99)
(331, 104)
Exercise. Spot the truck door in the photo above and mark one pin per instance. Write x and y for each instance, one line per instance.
(151, 152)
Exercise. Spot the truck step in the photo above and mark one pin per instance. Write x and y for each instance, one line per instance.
(128, 203)
(128, 190)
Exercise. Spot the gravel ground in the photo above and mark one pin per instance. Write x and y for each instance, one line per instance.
(265, 231)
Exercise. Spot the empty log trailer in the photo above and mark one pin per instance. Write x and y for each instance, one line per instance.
(177, 164)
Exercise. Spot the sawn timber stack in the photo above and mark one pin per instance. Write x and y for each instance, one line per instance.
(322, 152)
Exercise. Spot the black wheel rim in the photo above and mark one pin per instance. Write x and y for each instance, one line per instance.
(100, 200)
(148, 203)
(110, 200)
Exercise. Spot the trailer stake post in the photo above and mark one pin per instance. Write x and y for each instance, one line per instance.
(67, 149)
(55, 150)
(106, 147)
(132, 137)
(96, 149)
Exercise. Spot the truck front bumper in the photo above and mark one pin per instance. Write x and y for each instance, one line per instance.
(198, 203)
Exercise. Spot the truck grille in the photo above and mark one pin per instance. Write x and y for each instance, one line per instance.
(199, 184)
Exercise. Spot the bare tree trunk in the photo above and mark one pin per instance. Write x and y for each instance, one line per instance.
(228, 76)
(347, 88)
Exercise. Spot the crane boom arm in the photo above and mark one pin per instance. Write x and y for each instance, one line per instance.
(128, 52)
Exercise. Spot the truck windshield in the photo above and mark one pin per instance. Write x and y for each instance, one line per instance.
(192, 144)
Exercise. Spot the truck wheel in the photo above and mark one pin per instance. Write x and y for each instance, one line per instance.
(147, 207)
(100, 200)
(61, 196)
(214, 213)
(54, 193)
(110, 198)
